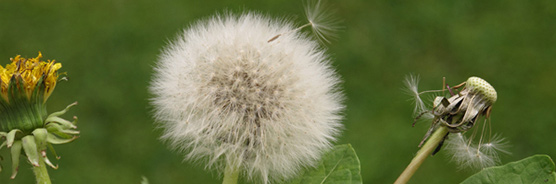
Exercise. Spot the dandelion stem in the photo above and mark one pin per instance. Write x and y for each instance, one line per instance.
(231, 175)
(41, 173)
(422, 154)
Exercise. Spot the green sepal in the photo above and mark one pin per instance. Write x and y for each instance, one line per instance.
(3, 99)
(16, 89)
(47, 161)
(40, 138)
(74, 122)
(62, 112)
(61, 121)
(3, 144)
(21, 110)
(11, 137)
(38, 93)
(41, 135)
(51, 148)
(62, 135)
(3, 135)
(53, 127)
(53, 139)
(30, 148)
(15, 151)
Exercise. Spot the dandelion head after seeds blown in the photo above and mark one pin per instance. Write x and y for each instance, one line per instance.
(228, 97)
(468, 104)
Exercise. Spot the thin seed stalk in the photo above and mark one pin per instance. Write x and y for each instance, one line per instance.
(422, 154)
(41, 172)
(231, 175)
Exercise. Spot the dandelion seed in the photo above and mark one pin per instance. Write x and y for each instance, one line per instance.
(229, 99)
(322, 20)
(412, 87)
(468, 155)
(494, 145)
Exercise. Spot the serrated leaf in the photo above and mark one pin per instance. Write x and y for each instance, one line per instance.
(537, 169)
(339, 165)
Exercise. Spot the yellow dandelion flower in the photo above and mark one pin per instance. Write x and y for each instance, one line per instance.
(32, 73)
(25, 85)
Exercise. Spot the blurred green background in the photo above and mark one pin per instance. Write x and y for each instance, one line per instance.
(108, 49)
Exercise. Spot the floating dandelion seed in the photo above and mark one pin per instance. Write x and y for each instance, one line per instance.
(322, 20)
(411, 83)
(225, 94)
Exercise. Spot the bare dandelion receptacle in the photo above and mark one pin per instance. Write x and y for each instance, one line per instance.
(452, 116)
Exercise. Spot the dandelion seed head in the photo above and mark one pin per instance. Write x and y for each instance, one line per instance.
(459, 113)
(225, 95)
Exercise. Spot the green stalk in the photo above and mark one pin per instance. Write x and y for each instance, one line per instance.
(231, 175)
(41, 173)
(422, 154)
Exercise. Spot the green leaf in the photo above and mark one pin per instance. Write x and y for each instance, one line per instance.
(536, 169)
(339, 165)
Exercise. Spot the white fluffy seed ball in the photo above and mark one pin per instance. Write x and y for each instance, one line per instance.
(224, 95)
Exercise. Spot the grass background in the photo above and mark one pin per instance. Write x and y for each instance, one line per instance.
(108, 48)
